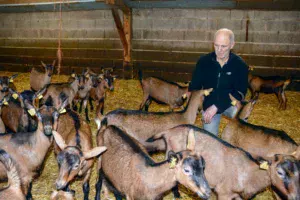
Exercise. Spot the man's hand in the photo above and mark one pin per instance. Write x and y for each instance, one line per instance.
(209, 113)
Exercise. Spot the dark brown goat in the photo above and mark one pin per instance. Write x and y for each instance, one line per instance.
(232, 172)
(78, 136)
(6, 83)
(15, 116)
(271, 85)
(30, 148)
(38, 80)
(13, 190)
(163, 92)
(142, 125)
(127, 167)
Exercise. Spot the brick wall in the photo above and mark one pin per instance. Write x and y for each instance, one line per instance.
(166, 42)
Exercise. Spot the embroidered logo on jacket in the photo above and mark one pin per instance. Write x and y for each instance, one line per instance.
(228, 73)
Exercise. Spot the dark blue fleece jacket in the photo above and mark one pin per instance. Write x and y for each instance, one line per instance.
(231, 78)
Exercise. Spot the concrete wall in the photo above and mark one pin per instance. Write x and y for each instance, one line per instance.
(166, 42)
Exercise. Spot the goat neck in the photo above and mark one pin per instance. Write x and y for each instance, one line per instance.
(196, 100)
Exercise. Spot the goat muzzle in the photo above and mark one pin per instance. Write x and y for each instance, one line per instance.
(48, 130)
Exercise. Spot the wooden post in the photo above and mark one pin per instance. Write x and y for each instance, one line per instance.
(125, 33)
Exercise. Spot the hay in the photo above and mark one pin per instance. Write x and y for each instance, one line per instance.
(128, 95)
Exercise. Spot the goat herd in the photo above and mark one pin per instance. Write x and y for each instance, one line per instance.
(247, 160)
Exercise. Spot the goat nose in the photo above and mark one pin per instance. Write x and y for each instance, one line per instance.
(81, 87)
(60, 185)
(48, 130)
(5, 89)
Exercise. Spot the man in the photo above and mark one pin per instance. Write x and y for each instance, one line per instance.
(226, 73)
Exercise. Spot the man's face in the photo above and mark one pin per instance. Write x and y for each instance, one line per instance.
(222, 45)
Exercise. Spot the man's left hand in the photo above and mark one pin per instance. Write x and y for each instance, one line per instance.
(209, 114)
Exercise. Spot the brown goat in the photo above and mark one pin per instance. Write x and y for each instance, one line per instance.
(269, 85)
(142, 125)
(79, 166)
(257, 140)
(163, 92)
(30, 148)
(127, 167)
(57, 90)
(13, 190)
(232, 172)
(62, 195)
(98, 94)
(38, 80)
(78, 136)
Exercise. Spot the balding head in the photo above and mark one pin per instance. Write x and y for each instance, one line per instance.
(225, 32)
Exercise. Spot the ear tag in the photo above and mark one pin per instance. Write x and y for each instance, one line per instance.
(15, 95)
(206, 92)
(73, 75)
(11, 80)
(173, 163)
(5, 102)
(40, 96)
(32, 112)
(87, 76)
(184, 96)
(61, 111)
(114, 78)
(264, 165)
(233, 102)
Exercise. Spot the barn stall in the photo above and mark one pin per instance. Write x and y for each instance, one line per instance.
(163, 38)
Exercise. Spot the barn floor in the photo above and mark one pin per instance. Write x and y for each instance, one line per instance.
(128, 95)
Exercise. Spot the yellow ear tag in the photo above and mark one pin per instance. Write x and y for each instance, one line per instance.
(11, 80)
(5, 102)
(264, 165)
(233, 102)
(40, 96)
(32, 112)
(87, 76)
(61, 111)
(173, 163)
(73, 75)
(184, 96)
(206, 92)
(15, 96)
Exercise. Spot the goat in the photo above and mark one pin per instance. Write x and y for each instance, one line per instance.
(78, 136)
(38, 80)
(232, 172)
(257, 140)
(15, 116)
(4, 102)
(56, 90)
(6, 83)
(98, 94)
(30, 148)
(269, 85)
(128, 168)
(13, 190)
(62, 195)
(141, 125)
(162, 91)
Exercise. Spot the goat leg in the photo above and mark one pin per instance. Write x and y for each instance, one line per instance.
(86, 190)
(80, 107)
(175, 191)
(99, 185)
(29, 195)
(147, 104)
(91, 103)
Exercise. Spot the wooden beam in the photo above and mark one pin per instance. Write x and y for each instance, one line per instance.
(118, 4)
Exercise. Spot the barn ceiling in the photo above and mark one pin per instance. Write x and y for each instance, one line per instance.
(70, 5)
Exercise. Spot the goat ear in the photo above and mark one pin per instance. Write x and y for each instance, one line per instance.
(172, 159)
(11, 79)
(296, 154)
(53, 63)
(44, 65)
(64, 105)
(59, 140)
(191, 141)
(30, 108)
(39, 94)
(101, 76)
(94, 152)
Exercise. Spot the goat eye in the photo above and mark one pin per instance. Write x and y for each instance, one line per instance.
(281, 173)
(187, 171)
(76, 166)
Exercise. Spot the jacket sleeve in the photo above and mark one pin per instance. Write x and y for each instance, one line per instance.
(196, 82)
(241, 82)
